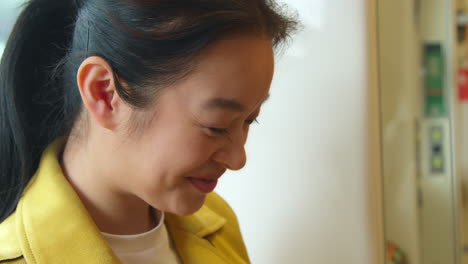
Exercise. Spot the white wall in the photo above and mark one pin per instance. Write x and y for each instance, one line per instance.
(303, 196)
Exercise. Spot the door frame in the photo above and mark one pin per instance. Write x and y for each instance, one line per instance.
(374, 150)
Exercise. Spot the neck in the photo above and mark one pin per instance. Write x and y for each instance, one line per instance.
(113, 210)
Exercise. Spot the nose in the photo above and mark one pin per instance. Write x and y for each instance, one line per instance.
(232, 156)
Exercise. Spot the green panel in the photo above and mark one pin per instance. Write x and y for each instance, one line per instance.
(434, 81)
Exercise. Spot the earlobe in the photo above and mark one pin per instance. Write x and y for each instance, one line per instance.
(96, 84)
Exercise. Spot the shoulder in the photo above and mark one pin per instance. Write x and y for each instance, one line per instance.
(10, 251)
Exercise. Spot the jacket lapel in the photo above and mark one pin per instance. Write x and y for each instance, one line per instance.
(189, 234)
(52, 223)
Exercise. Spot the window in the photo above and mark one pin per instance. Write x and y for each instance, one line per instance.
(9, 10)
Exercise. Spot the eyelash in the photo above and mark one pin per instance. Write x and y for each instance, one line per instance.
(223, 131)
(251, 121)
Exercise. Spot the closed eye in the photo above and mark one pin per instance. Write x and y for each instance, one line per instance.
(218, 131)
(215, 131)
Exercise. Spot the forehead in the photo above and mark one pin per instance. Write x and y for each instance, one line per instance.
(236, 68)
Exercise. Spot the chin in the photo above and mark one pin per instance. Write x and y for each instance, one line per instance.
(189, 206)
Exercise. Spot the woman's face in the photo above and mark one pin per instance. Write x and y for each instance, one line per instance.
(199, 127)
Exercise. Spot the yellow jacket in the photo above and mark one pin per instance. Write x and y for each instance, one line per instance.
(51, 225)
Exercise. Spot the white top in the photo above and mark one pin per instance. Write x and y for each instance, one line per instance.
(152, 247)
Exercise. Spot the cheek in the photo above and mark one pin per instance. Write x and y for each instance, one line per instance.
(194, 149)
(175, 151)
(169, 160)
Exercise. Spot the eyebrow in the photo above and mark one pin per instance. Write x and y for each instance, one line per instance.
(229, 104)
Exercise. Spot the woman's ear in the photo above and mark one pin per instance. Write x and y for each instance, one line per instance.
(96, 83)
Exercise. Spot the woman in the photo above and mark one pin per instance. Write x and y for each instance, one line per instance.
(117, 118)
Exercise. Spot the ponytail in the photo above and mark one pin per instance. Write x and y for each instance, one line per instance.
(28, 120)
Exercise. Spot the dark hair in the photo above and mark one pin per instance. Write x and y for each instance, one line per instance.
(144, 41)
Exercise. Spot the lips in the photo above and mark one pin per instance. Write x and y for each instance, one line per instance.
(206, 182)
(203, 185)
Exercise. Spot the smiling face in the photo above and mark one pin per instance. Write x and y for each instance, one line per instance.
(199, 127)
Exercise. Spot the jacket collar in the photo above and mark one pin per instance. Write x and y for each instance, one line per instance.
(54, 226)
(189, 233)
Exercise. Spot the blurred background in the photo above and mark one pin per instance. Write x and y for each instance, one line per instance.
(9, 10)
(423, 82)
